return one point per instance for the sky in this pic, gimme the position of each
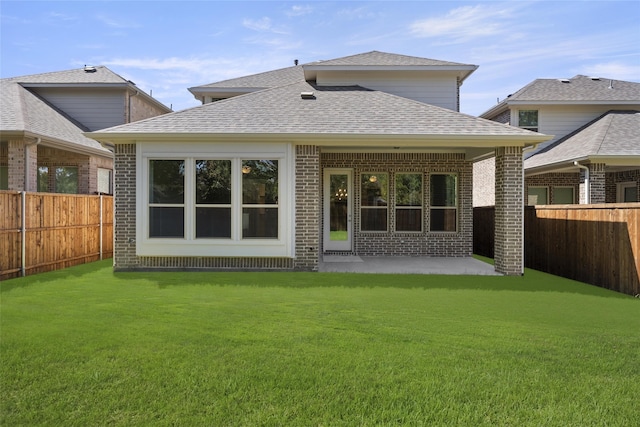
(165, 47)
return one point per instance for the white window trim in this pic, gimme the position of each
(531, 128)
(283, 246)
(621, 186)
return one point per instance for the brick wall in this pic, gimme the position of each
(87, 167)
(124, 248)
(509, 256)
(424, 243)
(308, 208)
(137, 108)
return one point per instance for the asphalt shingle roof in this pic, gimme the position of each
(578, 88)
(376, 58)
(334, 110)
(615, 133)
(23, 111)
(102, 75)
(280, 77)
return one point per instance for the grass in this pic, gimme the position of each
(85, 346)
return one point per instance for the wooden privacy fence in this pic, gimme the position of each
(596, 244)
(42, 232)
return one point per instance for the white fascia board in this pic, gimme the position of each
(49, 141)
(462, 71)
(357, 140)
(620, 160)
(606, 102)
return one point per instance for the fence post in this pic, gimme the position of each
(101, 227)
(23, 262)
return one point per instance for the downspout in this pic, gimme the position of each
(23, 261)
(26, 162)
(587, 185)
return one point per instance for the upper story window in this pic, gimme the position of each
(528, 119)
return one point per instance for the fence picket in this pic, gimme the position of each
(62, 230)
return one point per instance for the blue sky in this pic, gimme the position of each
(167, 46)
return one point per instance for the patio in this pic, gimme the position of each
(405, 265)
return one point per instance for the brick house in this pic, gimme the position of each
(43, 118)
(362, 155)
(594, 156)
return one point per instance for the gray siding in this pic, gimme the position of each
(94, 108)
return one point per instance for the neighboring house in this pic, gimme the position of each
(43, 118)
(594, 156)
(334, 158)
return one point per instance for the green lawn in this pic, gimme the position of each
(86, 347)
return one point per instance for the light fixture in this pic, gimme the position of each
(246, 169)
(373, 178)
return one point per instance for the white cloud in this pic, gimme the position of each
(357, 13)
(117, 23)
(263, 24)
(464, 23)
(298, 10)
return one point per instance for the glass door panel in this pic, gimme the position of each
(337, 224)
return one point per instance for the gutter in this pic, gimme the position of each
(587, 184)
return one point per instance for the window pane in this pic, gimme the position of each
(537, 196)
(630, 194)
(67, 180)
(444, 190)
(528, 118)
(166, 181)
(260, 223)
(260, 182)
(374, 189)
(166, 222)
(104, 181)
(213, 182)
(409, 189)
(408, 219)
(4, 177)
(43, 179)
(373, 220)
(213, 222)
(563, 195)
(443, 219)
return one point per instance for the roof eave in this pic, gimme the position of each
(53, 142)
(462, 71)
(331, 139)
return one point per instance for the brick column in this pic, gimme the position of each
(509, 211)
(307, 207)
(597, 183)
(124, 251)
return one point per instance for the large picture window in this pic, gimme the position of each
(213, 199)
(374, 196)
(223, 200)
(166, 198)
(444, 202)
(259, 199)
(408, 202)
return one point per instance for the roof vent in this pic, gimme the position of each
(307, 95)
(89, 69)
(564, 80)
(595, 79)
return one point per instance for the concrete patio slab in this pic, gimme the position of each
(405, 265)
